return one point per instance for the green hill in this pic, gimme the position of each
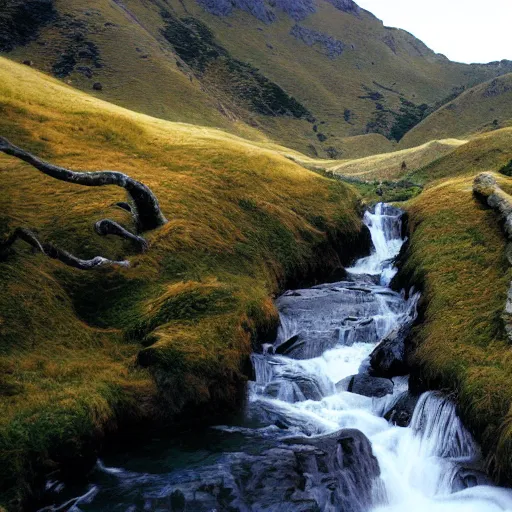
(308, 74)
(483, 108)
(83, 354)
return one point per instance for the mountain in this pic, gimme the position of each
(307, 73)
(485, 107)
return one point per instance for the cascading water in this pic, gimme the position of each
(321, 430)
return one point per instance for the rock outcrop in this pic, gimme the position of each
(267, 11)
(331, 46)
(366, 385)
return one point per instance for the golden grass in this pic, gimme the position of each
(389, 166)
(483, 108)
(243, 219)
(485, 152)
(457, 254)
(141, 72)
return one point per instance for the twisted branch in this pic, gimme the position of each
(59, 254)
(109, 227)
(149, 215)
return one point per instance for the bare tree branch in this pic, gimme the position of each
(109, 227)
(59, 254)
(148, 213)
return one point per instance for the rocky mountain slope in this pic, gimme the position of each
(307, 73)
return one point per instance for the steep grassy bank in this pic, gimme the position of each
(457, 255)
(83, 353)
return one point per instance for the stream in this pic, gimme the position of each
(329, 425)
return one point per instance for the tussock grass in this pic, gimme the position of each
(457, 254)
(140, 70)
(82, 353)
(486, 152)
(483, 108)
(390, 165)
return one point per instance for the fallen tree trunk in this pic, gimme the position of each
(147, 209)
(59, 254)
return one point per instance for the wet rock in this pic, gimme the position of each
(343, 309)
(309, 345)
(333, 472)
(388, 358)
(295, 389)
(344, 384)
(401, 412)
(367, 385)
(466, 478)
(177, 501)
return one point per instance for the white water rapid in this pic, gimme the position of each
(308, 444)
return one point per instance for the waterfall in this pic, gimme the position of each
(305, 442)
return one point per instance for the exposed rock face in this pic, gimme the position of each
(296, 9)
(332, 47)
(390, 42)
(496, 88)
(309, 345)
(346, 6)
(197, 47)
(267, 11)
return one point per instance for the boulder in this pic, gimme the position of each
(331, 472)
(344, 384)
(309, 345)
(97, 86)
(401, 412)
(293, 390)
(388, 358)
(367, 385)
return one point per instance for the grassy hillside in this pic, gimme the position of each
(487, 152)
(308, 78)
(483, 108)
(386, 166)
(85, 353)
(457, 255)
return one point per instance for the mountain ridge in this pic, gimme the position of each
(345, 73)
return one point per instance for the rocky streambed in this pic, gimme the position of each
(329, 425)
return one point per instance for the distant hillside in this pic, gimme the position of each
(388, 166)
(485, 107)
(307, 73)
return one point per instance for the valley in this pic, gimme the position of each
(297, 149)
